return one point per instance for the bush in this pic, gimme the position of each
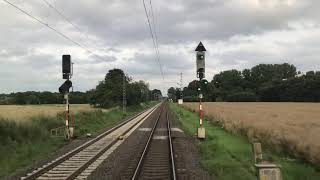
(242, 97)
(34, 130)
(191, 98)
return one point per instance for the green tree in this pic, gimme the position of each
(172, 94)
(156, 94)
(109, 92)
(264, 82)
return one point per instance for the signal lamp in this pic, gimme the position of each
(65, 87)
(66, 66)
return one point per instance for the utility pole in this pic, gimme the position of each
(181, 88)
(124, 98)
(180, 100)
(200, 58)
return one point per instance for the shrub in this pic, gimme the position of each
(242, 97)
(191, 98)
(34, 130)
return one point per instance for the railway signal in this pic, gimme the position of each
(66, 66)
(200, 60)
(64, 89)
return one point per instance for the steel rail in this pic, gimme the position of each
(142, 158)
(147, 146)
(94, 158)
(173, 168)
(66, 156)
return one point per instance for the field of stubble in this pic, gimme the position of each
(26, 112)
(291, 127)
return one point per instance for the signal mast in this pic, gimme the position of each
(64, 89)
(200, 60)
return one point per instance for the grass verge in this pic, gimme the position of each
(228, 156)
(22, 144)
(94, 122)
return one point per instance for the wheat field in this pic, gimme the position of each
(292, 127)
(26, 112)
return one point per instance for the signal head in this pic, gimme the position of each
(66, 66)
(65, 87)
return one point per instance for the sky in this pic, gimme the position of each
(111, 34)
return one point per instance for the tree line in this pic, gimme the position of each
(46, 97)
(264, 82)
(108, 93)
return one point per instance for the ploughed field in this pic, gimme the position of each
(26, 112)
(293, 128)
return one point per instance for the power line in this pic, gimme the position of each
(155, 31)
(61, 14)
(52, 28)
(154, 26)
(153, 39)
(65, 18)
(155, 35)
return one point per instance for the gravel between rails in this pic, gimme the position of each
(156, 163)
(122, 162)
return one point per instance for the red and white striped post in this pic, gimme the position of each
(67, 72)
(67, 112)
(200, 59)
(200, 111)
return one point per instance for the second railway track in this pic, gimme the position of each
(78, 163)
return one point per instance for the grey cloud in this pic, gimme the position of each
(102, 59)
(30, 53)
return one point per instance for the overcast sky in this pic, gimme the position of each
(236, 33)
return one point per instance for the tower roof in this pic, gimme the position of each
(200, 47)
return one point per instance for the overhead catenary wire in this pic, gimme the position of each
(63, 16)
(52, 28)
(80, 30)
(154, 27)
(152, 14)
(156, 36)
(153, 38)
(63, 35)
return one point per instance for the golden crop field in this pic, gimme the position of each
(25, 112)
(294, 126)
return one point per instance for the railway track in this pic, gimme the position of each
(79, 163)
(157, 158)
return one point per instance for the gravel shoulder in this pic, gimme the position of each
(187, 156)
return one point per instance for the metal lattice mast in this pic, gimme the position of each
(124, 98)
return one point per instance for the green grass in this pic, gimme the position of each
(22, 144)
(228, 156)
(94, 122)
